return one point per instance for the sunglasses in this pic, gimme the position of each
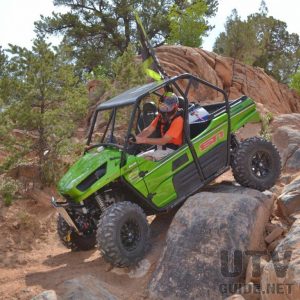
(164, 107)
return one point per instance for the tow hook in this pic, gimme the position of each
(60, 207)
(68, 236)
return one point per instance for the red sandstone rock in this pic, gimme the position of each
(233, 76)
(286, 137)
(273, 245)
(289, 200)
(281, 276)
(276, 233)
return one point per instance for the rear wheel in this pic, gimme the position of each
(123, 234)
(256, 164)
(71, 239)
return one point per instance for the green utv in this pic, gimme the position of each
(111, 189)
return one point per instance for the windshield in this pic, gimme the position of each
(111, 126)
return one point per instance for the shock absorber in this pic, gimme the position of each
(100, 201)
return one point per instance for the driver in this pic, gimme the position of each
(169, 124)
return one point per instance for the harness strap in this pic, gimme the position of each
(164, 126)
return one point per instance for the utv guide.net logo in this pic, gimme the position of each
(270, 289)
(233, 265)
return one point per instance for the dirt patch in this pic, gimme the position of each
(33, 260)
(24, 226)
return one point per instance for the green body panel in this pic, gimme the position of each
(86, 165)
(159, 177)
(131, 173)
(243, 113)
(157, 183)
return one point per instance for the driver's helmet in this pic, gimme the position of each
(168, 102)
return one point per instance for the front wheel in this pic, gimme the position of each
(123, 234)
(256, 164)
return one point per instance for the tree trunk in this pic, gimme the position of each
(127, 31)
(42, 141)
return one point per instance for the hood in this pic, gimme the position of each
(90, 172)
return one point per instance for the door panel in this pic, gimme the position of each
(158, 176)
(131, 173)
(176, 175)
(187, 179)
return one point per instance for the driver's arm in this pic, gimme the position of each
(174, 132)
(146, 131)
(150, 129)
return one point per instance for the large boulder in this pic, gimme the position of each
(85, 287)
(204, 233)
(231, 75)
(289, 200)
(46, 295)
(286, 137)
(281, 276)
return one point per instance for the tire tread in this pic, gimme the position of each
(106, 233)
(240, 170)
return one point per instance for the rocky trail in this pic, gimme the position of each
(30, 265)
(184, 260)
(184, 257)
(33, 260)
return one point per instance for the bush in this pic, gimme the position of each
(295, 81)
(8, 189)
(265, 125)
(29, 222)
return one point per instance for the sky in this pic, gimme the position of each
(284, 10)
(17, 18)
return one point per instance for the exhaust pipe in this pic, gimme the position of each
(60, 207)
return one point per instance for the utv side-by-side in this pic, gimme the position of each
(109, 191)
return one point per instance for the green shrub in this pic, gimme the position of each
(8, 189)
(265, 125)
(295, 81)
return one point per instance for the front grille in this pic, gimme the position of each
(92, 178)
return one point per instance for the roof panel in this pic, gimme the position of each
(130, 96)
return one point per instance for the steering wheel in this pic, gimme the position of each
(131, 139)
(134, 148)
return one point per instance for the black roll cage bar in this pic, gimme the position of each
(184, 94)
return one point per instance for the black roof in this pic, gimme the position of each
(130, 96)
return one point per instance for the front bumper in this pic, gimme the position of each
(60, 207)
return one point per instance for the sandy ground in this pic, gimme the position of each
(33, 260)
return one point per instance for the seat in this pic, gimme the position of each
(197, 128)
(199, 119)
(147, 115)
(180, 102)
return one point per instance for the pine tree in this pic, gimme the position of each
(238, 40)
(261, 41)
(188, 25)
(46, 101)
(100, 31)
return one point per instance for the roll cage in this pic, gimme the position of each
(135, 95)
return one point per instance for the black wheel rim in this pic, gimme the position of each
(130, 234)
(261, 164)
